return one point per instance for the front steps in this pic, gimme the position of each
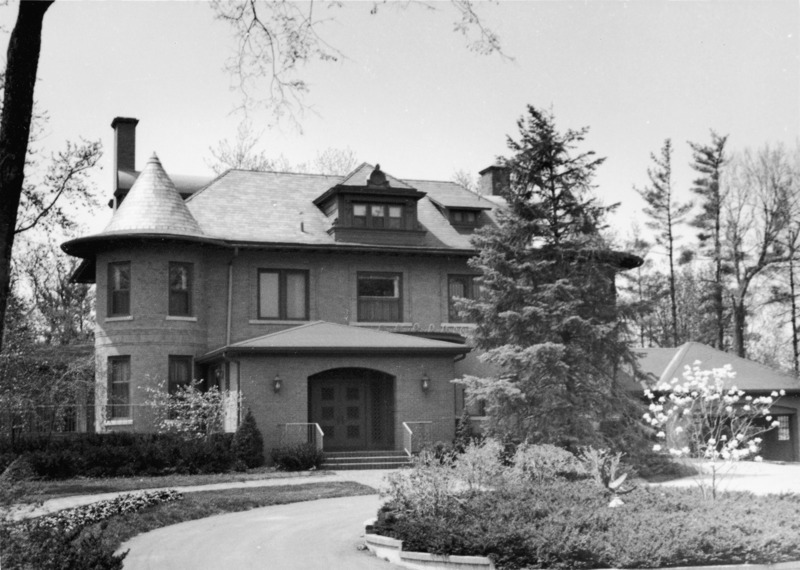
(348, 460)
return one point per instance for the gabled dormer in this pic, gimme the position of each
(369, 206)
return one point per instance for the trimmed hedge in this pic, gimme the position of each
(300, 457)
(120, 455)
(568, 524)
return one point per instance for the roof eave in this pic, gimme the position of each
(224, 352)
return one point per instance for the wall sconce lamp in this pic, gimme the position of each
(426, 382)
(276, 384)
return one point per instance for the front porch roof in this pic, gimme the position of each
(321, 337)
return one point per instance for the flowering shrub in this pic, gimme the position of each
(188, 411)
(79, 517)
(699, 418)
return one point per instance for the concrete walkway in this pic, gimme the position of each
(371, 478)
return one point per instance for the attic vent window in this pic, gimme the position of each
(378, 178)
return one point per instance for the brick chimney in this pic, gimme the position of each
(494, 180)
(124, 152)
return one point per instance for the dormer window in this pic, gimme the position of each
(464, 217)
(380, 216)
(369, 206)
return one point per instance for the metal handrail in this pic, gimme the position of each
(408, 436)
(314, 433)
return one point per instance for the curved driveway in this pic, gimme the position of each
(322, 534)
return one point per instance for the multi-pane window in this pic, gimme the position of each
(180, 372)
(380, 297)
(464, 217)
(180, 289)
(283, 294)
(119, 387)
(459, 286)
(119, 289)
(783, 428)
(380, 216)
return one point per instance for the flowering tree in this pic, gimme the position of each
(699, 418)
(189, 411)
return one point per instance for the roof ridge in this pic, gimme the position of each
(669, 370)
(209, 183)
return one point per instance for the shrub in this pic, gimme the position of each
(299, 457)
(248, 445)
(45, 548)
(117, 454)
(543, 462)
(561, 522)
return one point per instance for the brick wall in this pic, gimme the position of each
(290, 404)
(149, 337)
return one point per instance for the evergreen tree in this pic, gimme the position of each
(664, 213)
(708, 161)
(547, 316)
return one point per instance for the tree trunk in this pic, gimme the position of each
(22, 60)
(793, 300)
(739, 322)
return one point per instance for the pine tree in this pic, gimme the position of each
(547, 316)
(708, 161)
(665, 213)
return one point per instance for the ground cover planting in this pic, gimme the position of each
(528, 514)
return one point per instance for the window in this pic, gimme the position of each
(783, 428)
(463, 286)
(380, 216)
(180, 289)
(380, 297)
(119, 387)
(180, 372)
(119, 289)
(464, 217)
(283, 294)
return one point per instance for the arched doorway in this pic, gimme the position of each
(354, 407)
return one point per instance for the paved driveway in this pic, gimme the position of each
(759, 478)
(319, 534)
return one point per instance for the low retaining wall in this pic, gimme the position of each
(391, 550)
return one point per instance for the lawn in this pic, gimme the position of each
(43, 490)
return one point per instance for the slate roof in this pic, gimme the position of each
(185, 184)
(664, 364)
(324, 337)
(277, 207)
(153, 206)
(451, 195)
(360, 177)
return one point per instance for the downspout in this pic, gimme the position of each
(230, 297)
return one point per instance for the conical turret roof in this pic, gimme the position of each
(153, 206)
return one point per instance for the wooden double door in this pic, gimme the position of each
(354, 407)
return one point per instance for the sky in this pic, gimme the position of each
(409, 95)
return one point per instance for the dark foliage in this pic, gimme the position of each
(561, 524)
(119, 454)
(547, 317)
(248, 444)
(52, 548)
(300, 457)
